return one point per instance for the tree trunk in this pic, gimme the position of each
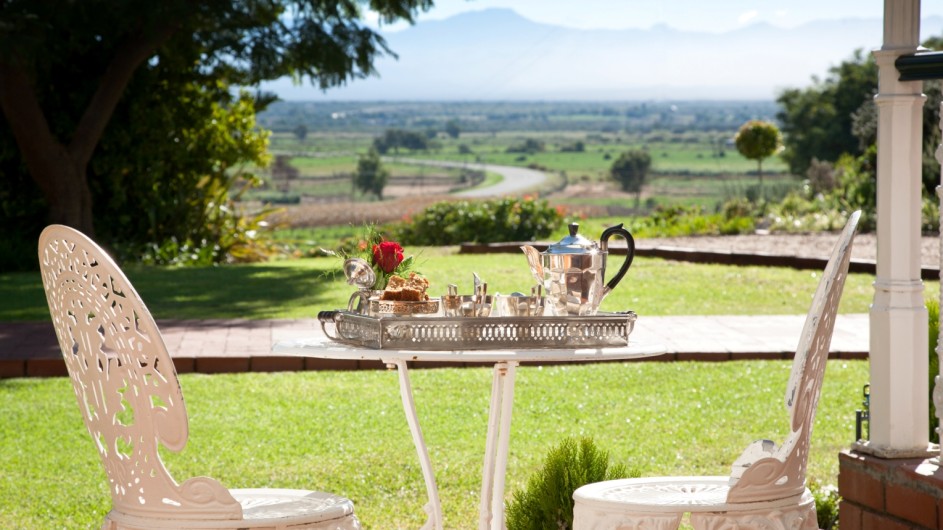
(60, 177)
(70, 202)
(59, 169)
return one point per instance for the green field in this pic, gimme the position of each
(687, 155)
(688, 169)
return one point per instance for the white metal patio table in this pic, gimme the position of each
(491, 509)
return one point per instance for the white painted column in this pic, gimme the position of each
(899, 333)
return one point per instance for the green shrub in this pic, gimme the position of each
(930, 215)
(678, 221)
(811, 210)
(826, 505)
(737, 207)
(508, 219)
(737, 225)
(547, 501)
(798, 214)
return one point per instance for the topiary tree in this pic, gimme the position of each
(547, 501)
(758, 140)
(630, 170)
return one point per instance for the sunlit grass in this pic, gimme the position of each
(300, 288)
(345, 432)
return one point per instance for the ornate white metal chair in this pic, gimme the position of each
(131, 401)
(766, 488)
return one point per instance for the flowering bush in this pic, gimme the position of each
(386, 258)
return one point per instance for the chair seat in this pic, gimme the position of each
(672, 495)
(264, 508)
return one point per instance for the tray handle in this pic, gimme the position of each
(329, 317)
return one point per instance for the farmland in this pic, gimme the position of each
(692, 165)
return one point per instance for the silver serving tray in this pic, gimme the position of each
(478, 333)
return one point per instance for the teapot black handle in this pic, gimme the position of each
(629, 254)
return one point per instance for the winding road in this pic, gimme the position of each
(515, 179)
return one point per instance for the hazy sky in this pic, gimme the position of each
(698, 79)
(691, 15)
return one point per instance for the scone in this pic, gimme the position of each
(401, 289)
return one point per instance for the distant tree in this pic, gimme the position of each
(397, 139)
(371, 176)
(630, 170)
(452, 129)
(301, 132)
(530, 146)
(864, 122)
(758, 140)
(576, 147)
(817, 121)
(283, 173)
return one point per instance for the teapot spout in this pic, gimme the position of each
(533, 259)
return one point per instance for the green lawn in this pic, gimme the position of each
(300, 288)
(345, 432)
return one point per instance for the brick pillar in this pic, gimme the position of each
(889, 494)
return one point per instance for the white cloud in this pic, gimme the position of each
(747, 16)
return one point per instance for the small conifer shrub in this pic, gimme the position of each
(547, 501)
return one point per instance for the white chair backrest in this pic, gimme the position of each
(124, 380)
(764, 472)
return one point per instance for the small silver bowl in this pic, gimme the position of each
(520, 306)
(467, 305)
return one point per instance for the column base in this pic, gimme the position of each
(866, 447)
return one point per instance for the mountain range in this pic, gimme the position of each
(496, 54)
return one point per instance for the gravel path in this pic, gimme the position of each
(802, 245)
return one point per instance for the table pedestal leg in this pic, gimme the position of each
(491, 510)
(434, 507)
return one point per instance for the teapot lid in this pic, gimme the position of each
(573, 243)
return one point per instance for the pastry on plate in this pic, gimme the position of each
(412, 289)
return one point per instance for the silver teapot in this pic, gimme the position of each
(573, 270)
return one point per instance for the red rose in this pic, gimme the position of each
(387, 255)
